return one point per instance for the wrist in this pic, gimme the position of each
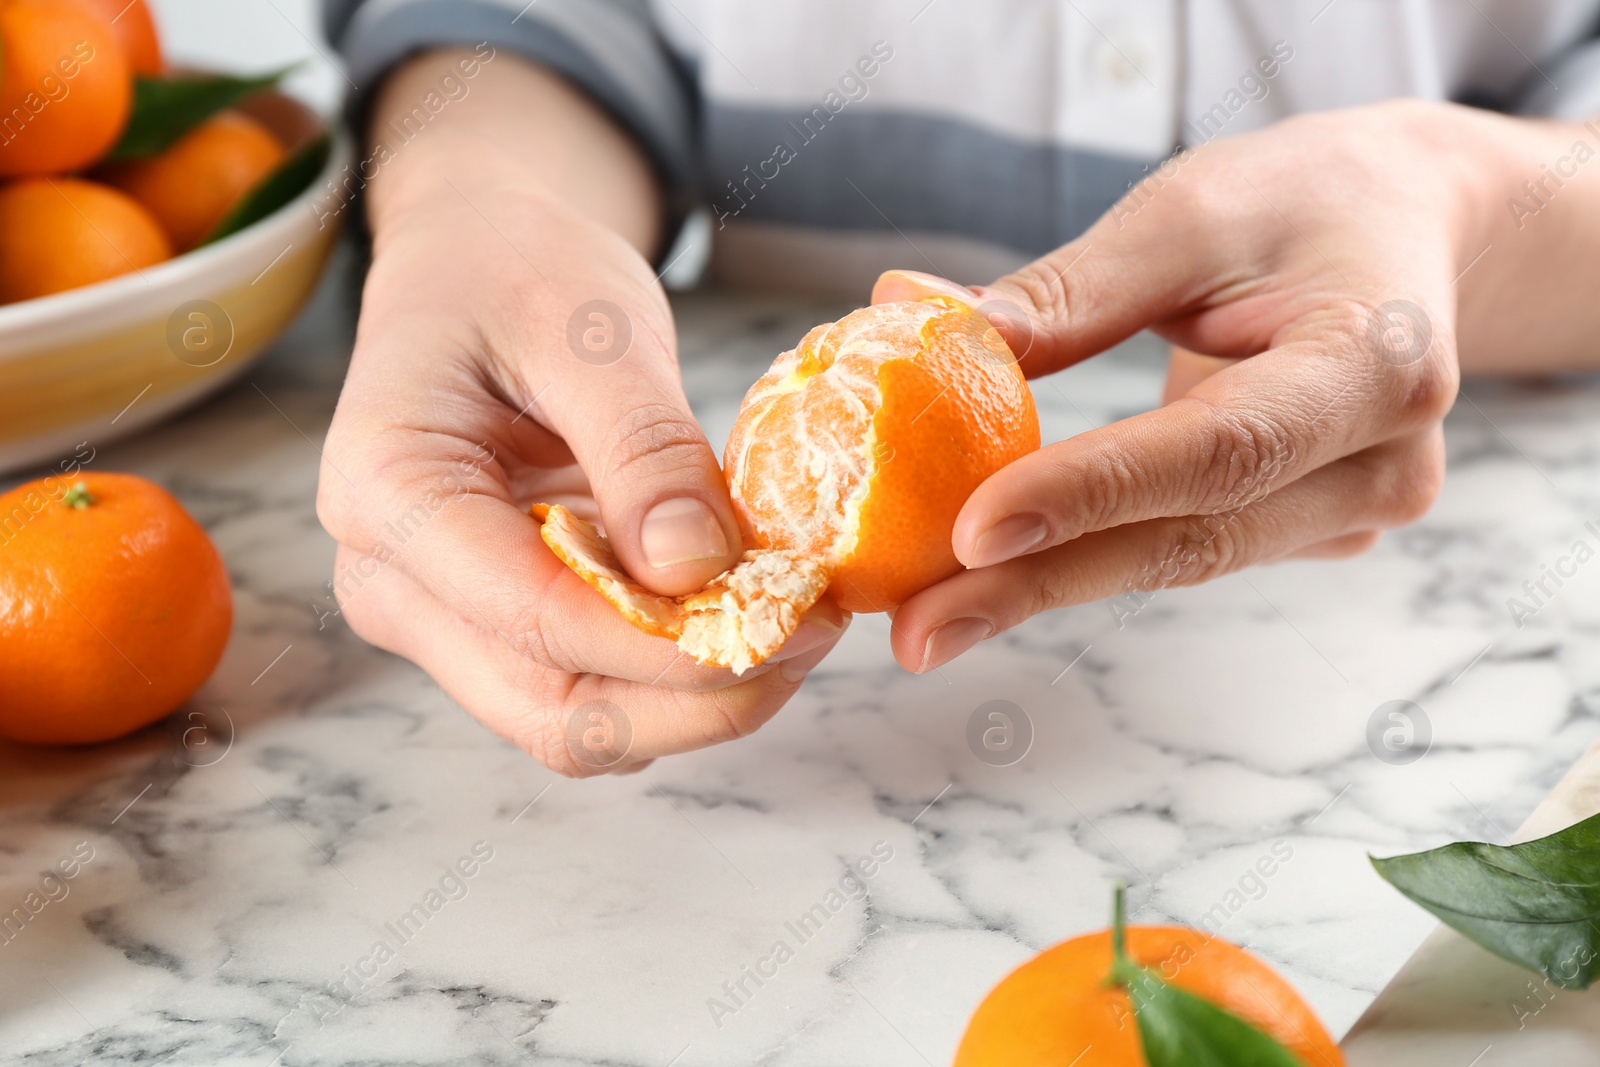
(1461, 169)
(448, 168)
(522, 130)
(1530, 205)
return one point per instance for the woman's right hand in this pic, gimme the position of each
(513, 347)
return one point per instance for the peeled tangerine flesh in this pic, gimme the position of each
(739, 619)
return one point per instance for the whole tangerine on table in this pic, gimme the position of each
(1070, 1004)
(847, 466)
(192, 185)
(61, 233)
(114, 608)
(65, 87)
(135, 29)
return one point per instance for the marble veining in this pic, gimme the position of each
(320, 799)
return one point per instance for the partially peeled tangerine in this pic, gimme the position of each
(847, 466)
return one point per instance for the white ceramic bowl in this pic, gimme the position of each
(103, 361)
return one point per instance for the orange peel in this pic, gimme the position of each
(739, 619)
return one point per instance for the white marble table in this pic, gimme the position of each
(249, 857)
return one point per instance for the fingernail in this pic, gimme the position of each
(914, 285)
(811, 633)
(795, 670)
(681, 530)
(952, 639)
(1008, 539)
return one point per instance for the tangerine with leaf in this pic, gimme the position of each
(1145, 996)
(193, 185)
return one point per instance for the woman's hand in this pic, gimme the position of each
(514, 346)
(1310, 275)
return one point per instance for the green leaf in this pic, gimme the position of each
(276, 189)
(1536, 904)
(1178, 1029)
(166, 108)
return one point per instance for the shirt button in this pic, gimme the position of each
(1122, 62)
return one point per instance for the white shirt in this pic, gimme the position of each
(832, 139)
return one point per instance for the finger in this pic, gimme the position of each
(1103, 287)
(1339, 547)
(586, 358)
(484, 560)
(1238, 434)
(1386, 486)
(432, 503)
(1186, 369)
(1212, 242)
(620, 407)
(577, 725)
(822, 625)
(469, 547)
(633, 766)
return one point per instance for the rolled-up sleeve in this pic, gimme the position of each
(1568, 88)
(608, 48)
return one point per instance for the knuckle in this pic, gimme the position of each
(537, 723)
(337, 509)
(1107, 490)
(734, 718)
(657, 436)
(738, 710)
(1431, 392)
(365, 619)
(1200, 550)
(694, 678)
(541, 724)
(1245, 451)
(545, 739)
(1047, 289)
(351, 489)
(1417, 479)
(1219, 547)
(532, 637)
(1041, 594)
(1353, 544)
(1190, 201)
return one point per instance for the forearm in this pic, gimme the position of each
(518, 122)
(1531, 303)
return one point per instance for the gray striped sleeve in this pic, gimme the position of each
(336, 16)
(608, 48)
(1569, 89)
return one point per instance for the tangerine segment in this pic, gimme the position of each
(859, 447)
(739, 619)
(1058, 1008)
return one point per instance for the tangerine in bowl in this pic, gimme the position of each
(158, 227)
(102, 360)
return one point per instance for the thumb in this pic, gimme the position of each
(1085, 296)
(660, 492)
